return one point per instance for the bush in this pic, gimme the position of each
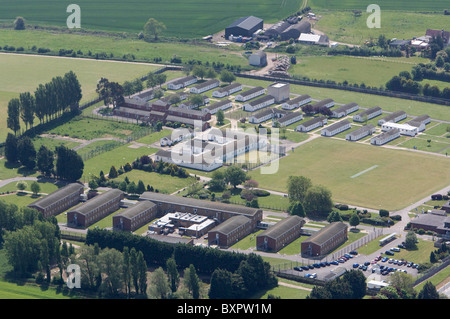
(384, 213)
(260, 192)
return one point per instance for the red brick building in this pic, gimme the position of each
(281, 234)
(325, 240)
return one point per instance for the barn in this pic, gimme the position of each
(244, 26)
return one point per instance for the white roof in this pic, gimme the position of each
(309, 37)
(400, 126)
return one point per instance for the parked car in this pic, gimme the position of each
(307, 275)
(384, 259)
(390, 253)
(298, 268)
(396, 249)
(409, 264)
(305, 267)
(353, 252)
(401, 246)
(367, 263)
(355, 265)
(314, 275)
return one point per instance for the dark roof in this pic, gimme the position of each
(288, 117)
(217, 105)
(282, 227)
(421, 118)
(337, 125)
(261, 100)
(192, 202)
(183, 80)
(365, 128)
(326, 233)
(246, 22)
(313, 121)
(135, 209)
(132, 111)
(323, 102)
(185, 111)
(97, 201)
(346, 107)
(298, 99)
(206, 83)
(387, 133)
(57, 195)
(251, 91)
(231, 224)
(393, 115)
(369, 111)
(229, 87)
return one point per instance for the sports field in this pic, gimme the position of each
(382, 178)
(23, 73)
(183, 18)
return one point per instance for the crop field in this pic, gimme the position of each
(400, 5)
(22, 73)
(192, 18)
(398, 178)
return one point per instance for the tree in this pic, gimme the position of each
(140, 187)
(110, 92)
(199, 71)
(196, 100)
(69, 165)
(113, 172)
(111, 264)
(296, 208)
(13, 120)
(354, 220)
(220, 117)
(411, 240)
(73, 90)
(27, 106)
(35, 188)
(298, 187)
(428, 292)
(227, 76)
(172, 274)
(131, 188)
(19, 23)
(26, 152)
(221, 285)
(357, 282)
(45, 160)
(318, 201)
(153, 28)
(211, 74)
(235, 176)
(11, 151)
(192, 282)
(21, 185)
(159, 284)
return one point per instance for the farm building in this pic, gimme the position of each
(367, 114)
(227, 90)
(230, 231)
(360, 133)
(258, 59)
(345, 110)
(393, 117)
(296, 102)
(399, 44)
(214, 210)
(306, 38)
(280, 91)
(205, 86)
(135, 216)
(404, 129)
(182, 83)
(250, 94)
(95, 209)
(282, 233)
(385, 137)
(285, 31)
(244, 26)
(288, 119)
(258, 104)
(221, 105)
(327, 103)
(325, 240)
(336, 128)
(59, 201)
(445, 35)
(312, 124)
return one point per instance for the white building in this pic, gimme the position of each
(393, 117)
(312, 124)
(205, 86)
(404, 129)
(221, 105)
(367, 114)
(360, 133)
(258, 104)
(280, 91)
(385, 137)
(336, 128)
(250, 94)
(288, 119)
(327, 103)
(345, 110)
(420, 122)
(182, 83)
(227, 90)
(296, 102)
(258, 59)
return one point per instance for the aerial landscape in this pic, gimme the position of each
(255, 151)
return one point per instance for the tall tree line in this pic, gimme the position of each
(50, 100)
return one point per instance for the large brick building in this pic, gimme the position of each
(135, 216)
(325, 240)
(59, 201)
(281, 234)
(230, 231)
(95, 209)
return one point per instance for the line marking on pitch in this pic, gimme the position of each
(365, 171)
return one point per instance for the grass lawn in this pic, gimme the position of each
(19, 199)
(46, 188)
(154, 137)
(284, 293)
(422, 144)
(119, 156)
(14, 291)
(332, 163)
(438, 130)
(51, 143)
(8, 170)
(183, 18)
(25, 73)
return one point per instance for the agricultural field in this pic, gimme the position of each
(25, 73)
(192, 18)
(332, 163)
(400, 5)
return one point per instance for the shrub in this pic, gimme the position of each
(384, 213)
(260, 192)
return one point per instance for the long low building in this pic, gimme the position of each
(182, 83)
(404, 129)
(345, 110)
(135, 216)
(385, 137)
(230, 231)
(325, 240)
(205, 86)
(282, 233)
(360, 133)
(227, 90)
(336, 128)
(325, 103)
(288, 119)
(258, 104)
(393, 117)
(215, 107)
(250, 94)
(312, 124)
(368, 114)
(296, 102)
(95, 209)
(59, 201)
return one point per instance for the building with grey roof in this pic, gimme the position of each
(95, 209)
(360, 133)
(227, 90)
(393, 117)
(367, 114)
(312, 124)
(336, 128)
(244, 26)
(259, 103)
(59, 201)
(250, 94)
(345, 110)
(325, 240)
(205, 86)
(296, 102)
(230, 231)
(135, 216)
(326, 102)
(288, 119)
(281, 234)
(385, 137)
(215, 107)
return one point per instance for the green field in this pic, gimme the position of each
(183, 18)
(400, 179)
(400, 5)
(24, 73)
